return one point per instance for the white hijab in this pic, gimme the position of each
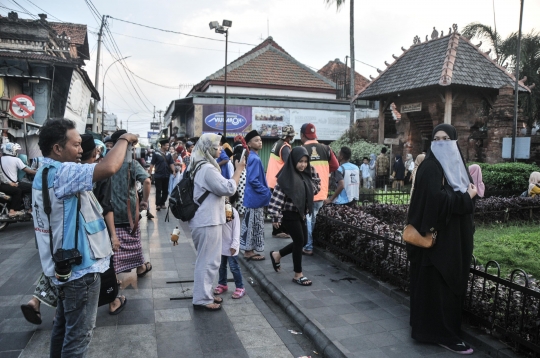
(447, 153)
(204, 151)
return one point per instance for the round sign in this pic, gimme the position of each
(22, 106)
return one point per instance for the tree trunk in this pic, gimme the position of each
(352, 61)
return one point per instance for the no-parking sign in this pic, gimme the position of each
(22, 106)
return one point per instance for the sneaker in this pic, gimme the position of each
(459, 348)
(149, 215)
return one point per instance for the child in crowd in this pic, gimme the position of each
(229, 253)
(366, 174)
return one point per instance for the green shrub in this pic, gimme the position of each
(507, 176)
(360, 148)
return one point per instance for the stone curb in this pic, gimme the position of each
(479, 339)
(321, 341)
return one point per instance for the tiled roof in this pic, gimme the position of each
(269, 65)
(77, 32)
(35, 56)
(450, 59)
(336, 68)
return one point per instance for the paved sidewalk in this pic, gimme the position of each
(151, 325)
(358, 318)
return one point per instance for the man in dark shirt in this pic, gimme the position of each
(164, 165)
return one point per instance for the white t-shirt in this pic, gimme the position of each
(9, 168)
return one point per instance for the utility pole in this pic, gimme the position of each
(353, 72)
(160, 123)
(96, 82)
(516, 87)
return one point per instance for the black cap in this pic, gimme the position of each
(163, 141)
(87, 143)
(251, 135)
(117, 134)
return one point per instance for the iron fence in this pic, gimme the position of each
(508, 309)
(379, 196)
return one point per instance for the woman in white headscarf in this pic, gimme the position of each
(442, 202)
(206, 225)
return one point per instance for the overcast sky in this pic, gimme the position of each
(309, 30)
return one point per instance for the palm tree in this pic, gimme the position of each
(339, 3)
(505, 51)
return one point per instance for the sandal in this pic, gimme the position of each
(17, 213)
(218, 300)
(302, 281)
(275, 265)
(239, 293)
(31, 314)
(220, 289)
(121, 307)
(255, 257)
(148, 268)
(206, 307)
(307, 253)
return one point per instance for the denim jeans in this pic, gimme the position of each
(235, 270)
(310, 222)
(75, 317)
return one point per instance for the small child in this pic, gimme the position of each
(229, 253)
(366, 174)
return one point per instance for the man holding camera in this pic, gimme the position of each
(72, 238)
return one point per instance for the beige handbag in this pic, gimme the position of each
(413, 237)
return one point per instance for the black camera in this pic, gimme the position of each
(63, 260)
(134, 153)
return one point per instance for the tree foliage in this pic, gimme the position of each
(360, 148)
(507, 176)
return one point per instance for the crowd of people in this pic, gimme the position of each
(87, 197)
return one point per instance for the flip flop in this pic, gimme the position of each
(255, 257)
(30, 314)
(275, 265)
(142, 274)
(121, 308)
(218, 299)
(302, 281)
(206, 308)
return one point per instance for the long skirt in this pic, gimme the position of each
(207, 242)
(130, 254)
(46, 291)
(241, 188)
(252, 232)
(435, 309)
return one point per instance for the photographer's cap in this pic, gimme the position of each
(163, 141)
(87, 143)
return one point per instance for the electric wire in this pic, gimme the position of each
(178, 32)
(48, 13)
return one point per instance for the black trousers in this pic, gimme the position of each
(382, 180)
(295, 226)
(16, 193)
(162, 190)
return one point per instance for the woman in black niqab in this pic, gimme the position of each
(292, 200)
(442, 201)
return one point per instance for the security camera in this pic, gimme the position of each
(213, 25)
(227, 23)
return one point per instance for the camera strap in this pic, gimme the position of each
(133, 225)
(48, 209)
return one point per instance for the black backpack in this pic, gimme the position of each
(181, 202)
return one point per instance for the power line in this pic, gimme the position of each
(48, 13)
(178, 32)
(367, 64)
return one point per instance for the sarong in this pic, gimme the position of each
(46, 291)
(252, 233)
(241, 188)
(129, 255)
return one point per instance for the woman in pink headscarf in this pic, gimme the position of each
(476, 174)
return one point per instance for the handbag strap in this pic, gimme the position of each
(48, 209)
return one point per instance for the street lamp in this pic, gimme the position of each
(127, 121)
(103, 100)
(223, 29)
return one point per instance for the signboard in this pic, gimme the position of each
(154, 125)
(268, 121)
(153, 135)
(521, 151)
(22, 106)
(411, 107)
(330, 125)
(109, 122)
(239, 119)
(394, 141)
(78, 101)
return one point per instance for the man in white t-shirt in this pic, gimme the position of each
(9, 184)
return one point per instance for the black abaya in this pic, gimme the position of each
(439, 275)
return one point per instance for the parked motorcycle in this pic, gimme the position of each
(5, 220)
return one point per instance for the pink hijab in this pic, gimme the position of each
(476, 174)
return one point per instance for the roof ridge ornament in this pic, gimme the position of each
(454, 26)
(403, 49)
(394, 56)
(416, 40)
(480, 44)
(442, 33)
(488, 52)
(434, 34)
(378, 70)
(386, 63)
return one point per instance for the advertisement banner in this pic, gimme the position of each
(238, 119)
(330, 125)
(268, 121)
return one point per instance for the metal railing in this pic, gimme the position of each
(507, 309)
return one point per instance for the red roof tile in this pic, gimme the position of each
(336, 69)
(269, 64)
(77, 32)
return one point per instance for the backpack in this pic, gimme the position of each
(181, 201)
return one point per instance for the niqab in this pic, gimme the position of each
(204, 151)
(295, 184)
